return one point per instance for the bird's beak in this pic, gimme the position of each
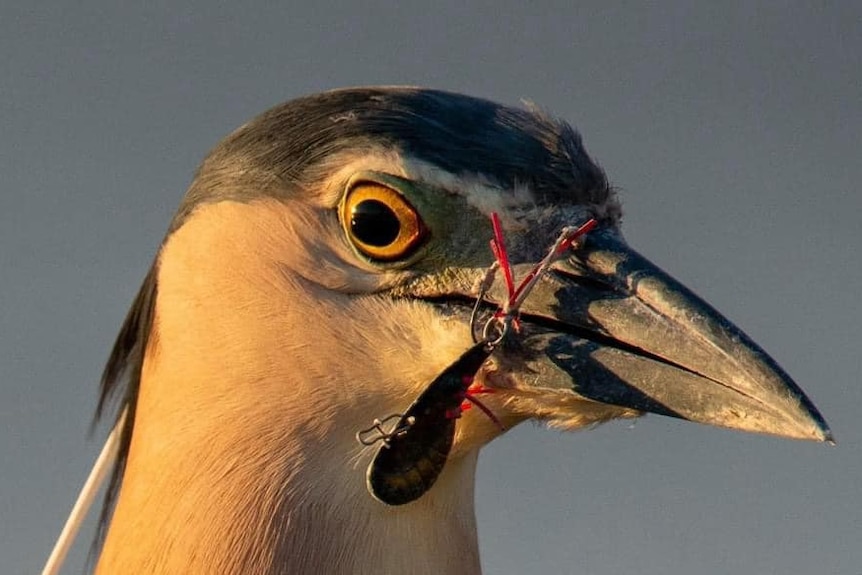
(611, 327)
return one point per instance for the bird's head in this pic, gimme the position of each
(321, 273)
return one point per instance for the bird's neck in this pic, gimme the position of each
(217, 484)
(208, 513)
(243, 457)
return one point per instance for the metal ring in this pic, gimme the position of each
(500, 325)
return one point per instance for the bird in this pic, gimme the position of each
(334, 263)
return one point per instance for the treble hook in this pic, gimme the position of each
(506, 316)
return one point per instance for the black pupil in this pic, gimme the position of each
(374, 223)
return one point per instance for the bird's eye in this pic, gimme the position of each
(380, 222)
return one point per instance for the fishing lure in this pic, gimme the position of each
(414, 452)
(410, 460)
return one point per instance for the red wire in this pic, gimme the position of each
(586, 227)
(499, 249)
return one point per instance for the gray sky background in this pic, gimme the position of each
(732, 131)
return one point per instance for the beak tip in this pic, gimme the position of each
(817, 430)
(802, 421)
(821, 431)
